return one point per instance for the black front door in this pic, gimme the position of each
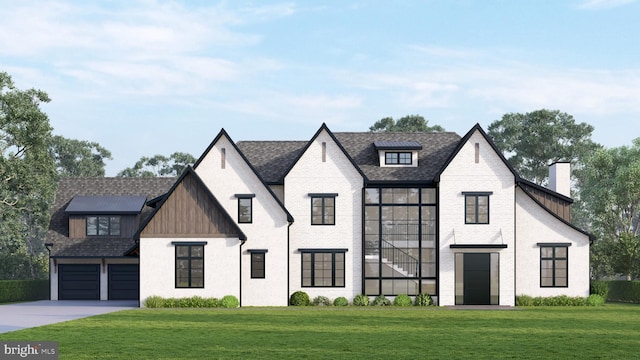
(477, 279)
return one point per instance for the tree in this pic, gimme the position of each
(534, 140)
(27, 181)
(159, 165)
(611, 190)
(78, 157)
(409, 123)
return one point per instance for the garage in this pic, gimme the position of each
(79, 282)
(123, 281)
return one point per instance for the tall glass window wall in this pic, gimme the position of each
(400, 241)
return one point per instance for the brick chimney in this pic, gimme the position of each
(560, 178)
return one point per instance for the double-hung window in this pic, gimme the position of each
(189, 265)
(103, 225)
(476, 207)
(554, 261)
(323, 209)
(245, 208)
(323, 268)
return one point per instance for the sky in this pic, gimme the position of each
(154, 77)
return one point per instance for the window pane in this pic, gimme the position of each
(103, 225)
(371, 196)
(115, 225)
(428, 196)
(197, 251)
(244, 210)
(561, 252)
(182, 251)
(387, 196)
(197, 264)
(371, 287)
(92, 225)
(546, 252)
(405, 158)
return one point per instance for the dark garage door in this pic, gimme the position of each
(123, 281)
(79, 282)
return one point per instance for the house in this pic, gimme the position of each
(338, 215)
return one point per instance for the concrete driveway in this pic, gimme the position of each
(37, 313)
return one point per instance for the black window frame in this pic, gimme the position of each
(244, 198)
(336, 280)
(257, 271)
(110, 221)
(395, 157)
(476, 214)
(324, 219)
(191, 259)
(554, 259)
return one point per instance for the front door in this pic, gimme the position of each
(477, 279)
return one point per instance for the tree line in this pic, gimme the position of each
(605, 181)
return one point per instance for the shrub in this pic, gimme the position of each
(154, 301)
(402, 300)
(624, 291)
(423, 300)
(381, 300)
(524, 300)
(321, 301)
(600, 288)
(361, 300)
(23, 290)
(229, 302)
(170, 302)
(299, 298)
(595, 300)
(340, 301)
(211, 302)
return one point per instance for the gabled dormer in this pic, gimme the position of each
(397, 153)
(104, 216)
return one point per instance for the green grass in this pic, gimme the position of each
(609, 332)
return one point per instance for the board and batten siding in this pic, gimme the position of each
(485, 172)
(558, 206)
(335, 175)
(188, 212)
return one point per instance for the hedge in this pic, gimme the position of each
(23, 290)
(624, 291)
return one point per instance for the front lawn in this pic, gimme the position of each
(611, 331)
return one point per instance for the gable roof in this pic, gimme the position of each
(464, 140)
(68, 188)
(244, 158)
(272, 159)
(190, 174)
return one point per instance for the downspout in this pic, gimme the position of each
(240, 261)
(288, 261)
(48, 246)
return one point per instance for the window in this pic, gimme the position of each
(190, 265)
(323, 268)
(103, 225)
(397, 158)
(245, 208)
(476, 208)
(257, 264)
(554, 265)
(323, 209)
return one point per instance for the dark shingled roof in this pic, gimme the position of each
(436, 149)
(271, 159)
(68, 188)
(400, 145)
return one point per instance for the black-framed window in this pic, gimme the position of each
(397, 158)
(103, 225)
(323, 268)
(190, 265)
(245, 208)
(476, 208)
(323, 209)
(554, 266)
(258, 261)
